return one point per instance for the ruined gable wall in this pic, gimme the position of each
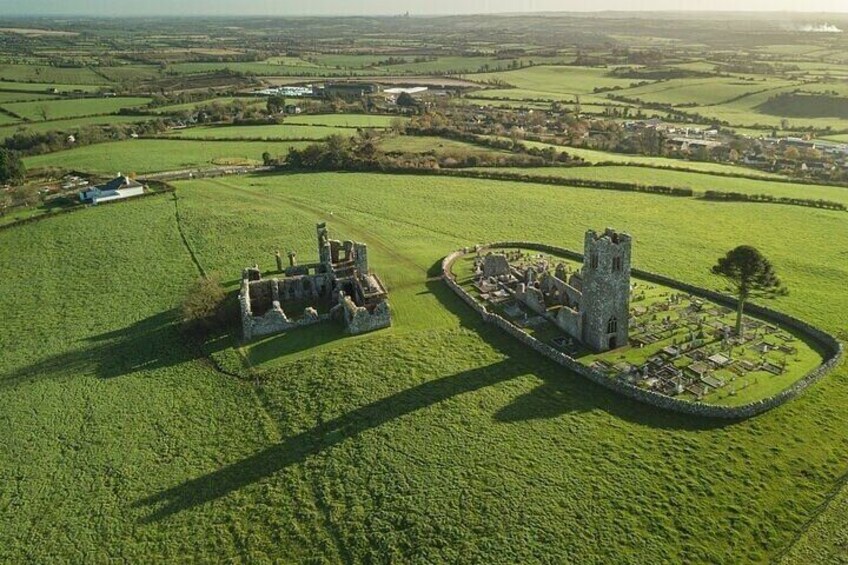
(359, 320)
(531, 297)
(570, 322)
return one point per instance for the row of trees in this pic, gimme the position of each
(29, 142)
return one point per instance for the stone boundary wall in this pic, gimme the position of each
(831, 347)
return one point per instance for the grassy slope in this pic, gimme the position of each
(101, 403)
(426, 442)
(149, 155)
(737, 510)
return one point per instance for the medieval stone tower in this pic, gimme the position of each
(605, 277)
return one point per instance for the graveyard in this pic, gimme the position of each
(679, 344)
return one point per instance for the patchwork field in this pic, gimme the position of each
(595, 156)
(190, 106)
(438, 440)
(48, 74)
(60, 109)
(555, 80)
(68, 125)
(154, 155)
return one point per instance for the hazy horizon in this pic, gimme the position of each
(394, 7)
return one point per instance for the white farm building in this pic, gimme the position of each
(116, 189)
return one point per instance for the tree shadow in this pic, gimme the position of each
(560, 392)
(548, 400)
(297, 448)
(152, 343)
(294, 341)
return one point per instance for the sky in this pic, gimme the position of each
(387, 7)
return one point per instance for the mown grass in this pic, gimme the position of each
(154, 155)
(60, 109)
(439, 440)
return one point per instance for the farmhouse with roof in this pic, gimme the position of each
(120, 187)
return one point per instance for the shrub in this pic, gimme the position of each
(204, 307)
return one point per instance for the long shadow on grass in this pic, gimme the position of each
(149, 344)
(561, 389)
(559, 393)
(297, 448)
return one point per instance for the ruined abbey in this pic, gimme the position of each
(339, 286)
(591, 305)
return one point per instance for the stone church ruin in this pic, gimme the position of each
(591, 305)
(338, 287)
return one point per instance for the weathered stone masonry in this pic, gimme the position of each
(832, 348)
(339, 286)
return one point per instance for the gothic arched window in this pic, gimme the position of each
(612, 325)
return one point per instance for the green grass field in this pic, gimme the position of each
(555, 80)
(346, 120)
(60, 109)
(49, 75)
(189, 106)
(702, 91)
(699, 182)
(284, 131)
(428, 144)
(69, 125)
(45, 88)
(437, 440)
(153, 155)
(6, 96)
(596, 156)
